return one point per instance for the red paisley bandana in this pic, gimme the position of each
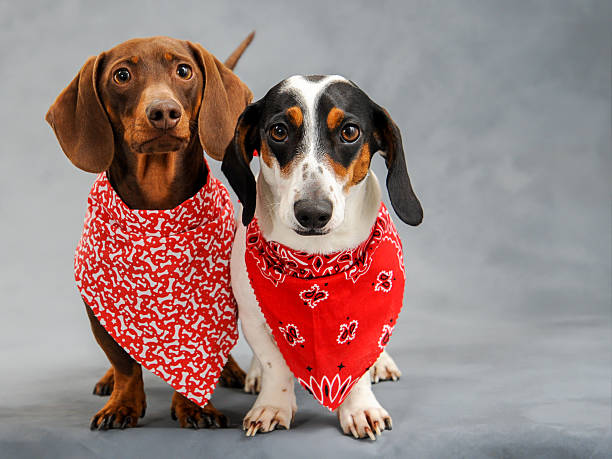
(331, 315)
(158, 281)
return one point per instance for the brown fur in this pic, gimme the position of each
(268, 158)
(266, 154)
(232, 60)
(334, 118)
(189, 414)
(295, 116)
(241, 133)
(356, 171)
(102, 126)
(127, 402)
(106, 383)
(231, 376)
(85, 129)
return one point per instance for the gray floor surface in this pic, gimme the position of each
(505, 338)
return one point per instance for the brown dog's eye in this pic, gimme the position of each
(184, 71)
(350, 133)
(122, 76)
(278, 132)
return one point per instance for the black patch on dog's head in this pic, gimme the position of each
(342, 107)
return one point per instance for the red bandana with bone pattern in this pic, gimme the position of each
(331, 315)
(158, 281)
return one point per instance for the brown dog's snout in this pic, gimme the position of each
(163, 114)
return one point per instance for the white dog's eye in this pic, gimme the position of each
(278, 132)
(350, 133)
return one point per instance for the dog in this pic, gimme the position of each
(315, 195)
(142, 112)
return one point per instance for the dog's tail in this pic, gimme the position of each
(231, 61)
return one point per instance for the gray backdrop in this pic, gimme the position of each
(504, 107)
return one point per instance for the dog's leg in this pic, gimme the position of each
(275, 404)
(232, 375)
(191, 415)
(252, 385)
(127, 402)
(360, 414)
(384, 369)
(105, 385)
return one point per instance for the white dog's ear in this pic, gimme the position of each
(237, 159)
(404, 201)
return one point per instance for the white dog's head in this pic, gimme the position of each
(316, 136)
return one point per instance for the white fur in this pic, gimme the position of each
(384, 369)
(275, 403)
(308, 171)
(354, 214)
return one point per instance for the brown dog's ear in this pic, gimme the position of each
(403, 199)
(80, 122)
(237, 159)
(225, 97)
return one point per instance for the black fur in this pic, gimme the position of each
(403, 199)
(235, 165)
(376, 127)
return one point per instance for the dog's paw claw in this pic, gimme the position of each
(232, 375)
(117, 415)
(384, 369)
(266, 419)
(252, 383)
(106, 384)
(364, 422)
(190, 415)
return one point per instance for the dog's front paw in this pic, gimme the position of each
(106, 383)
(252, 384)
(190, 415)
(364, 421)
(232, 375)
(384, 369)
(119, 412)
(265, 418)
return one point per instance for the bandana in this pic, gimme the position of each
(158, 282)
(331, 315)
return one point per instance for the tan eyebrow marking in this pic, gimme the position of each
(168, 56)
(334, 118)
(134, 59)
(295, 116)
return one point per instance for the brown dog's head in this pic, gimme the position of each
(147, 96)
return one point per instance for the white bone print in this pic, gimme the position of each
(158, 281)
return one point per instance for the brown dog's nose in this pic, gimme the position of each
(163, 114)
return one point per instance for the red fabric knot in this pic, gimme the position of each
(331, 315)
(158, 281)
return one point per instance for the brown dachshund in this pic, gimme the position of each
(142, 111)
